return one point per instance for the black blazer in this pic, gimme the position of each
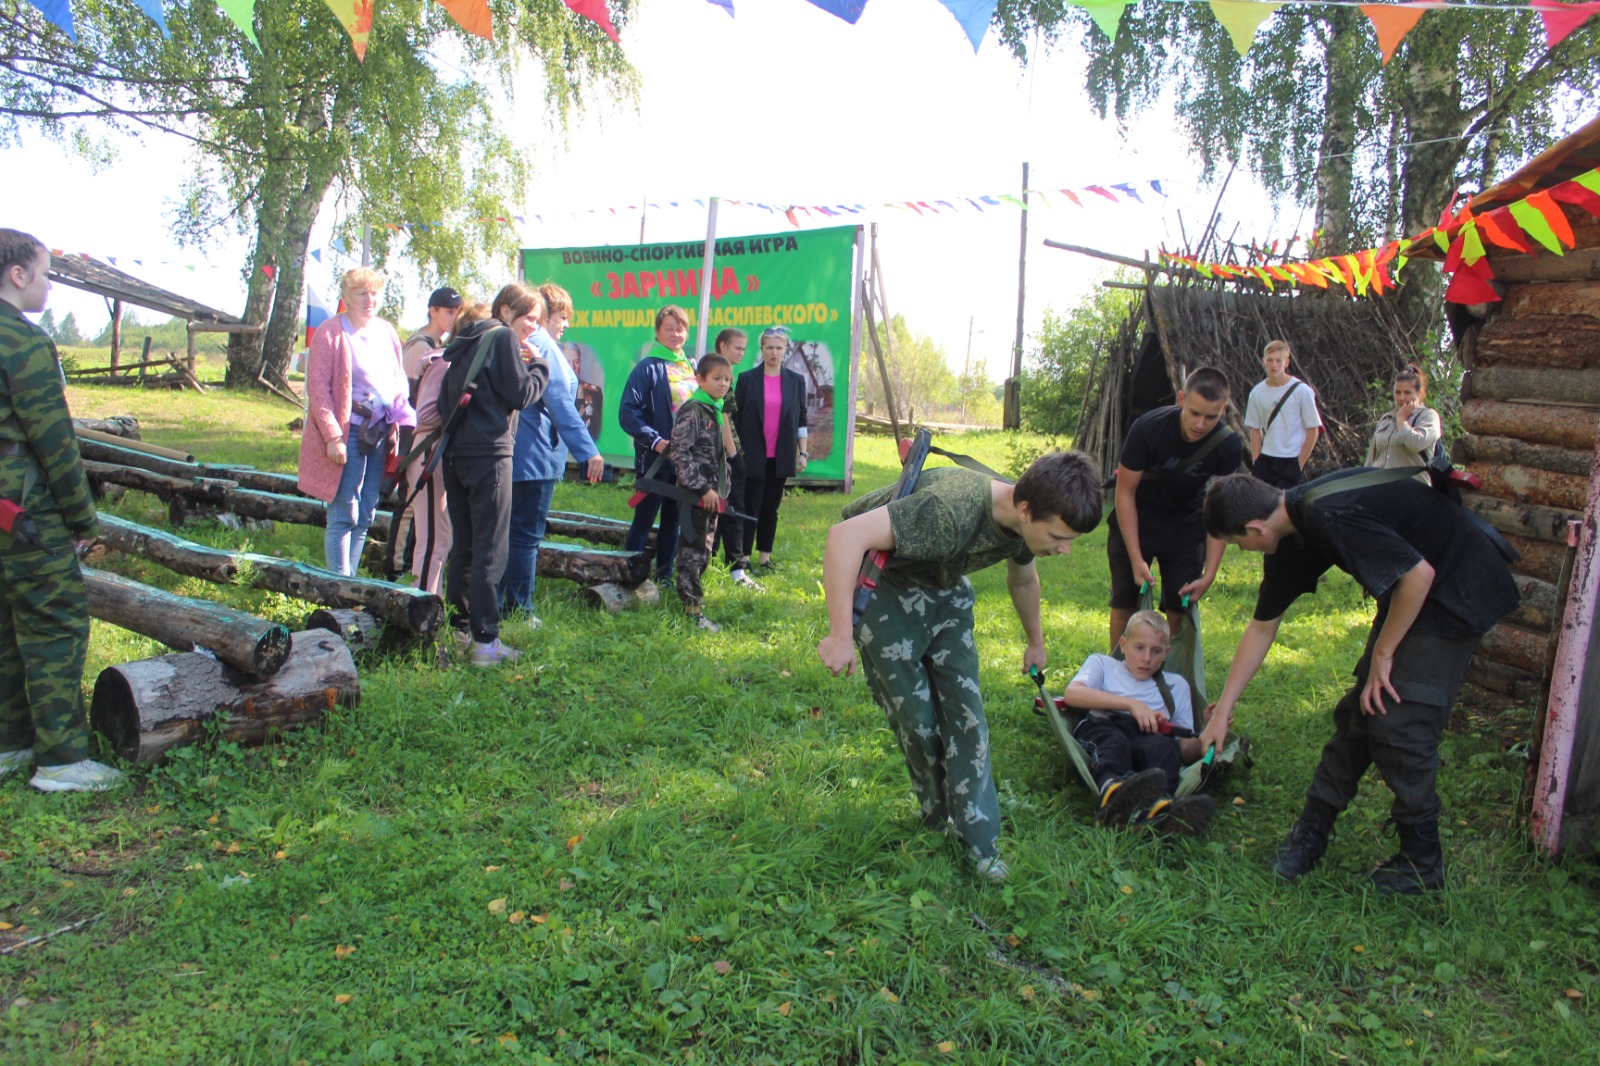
(750, 423)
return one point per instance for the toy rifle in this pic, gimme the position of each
(649, 486)
(874, 562)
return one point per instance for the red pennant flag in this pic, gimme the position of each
(1561, 19)
(1452, 258)
(789, 214)
(270, 271)
(595, 11)
(1069, 194)
(1393, 22)
(1102, 192)
(1472, 285)
(1570, 192)
(1502, 229)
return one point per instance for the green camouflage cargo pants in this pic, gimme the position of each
(921, 665)
(44, 637)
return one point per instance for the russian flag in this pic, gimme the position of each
(316, 313)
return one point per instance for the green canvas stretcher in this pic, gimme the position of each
(1186, 660)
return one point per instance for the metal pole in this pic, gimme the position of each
(705, 278)
(644, 209)
(1013, 406)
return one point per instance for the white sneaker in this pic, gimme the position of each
(993, 870)
(493, 653)
(15, 760)
(744, 580)
(84, 776)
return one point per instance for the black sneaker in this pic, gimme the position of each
(1128, 795)
(1190, 816)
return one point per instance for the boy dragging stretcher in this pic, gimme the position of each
(915, 635)
(1139, 732)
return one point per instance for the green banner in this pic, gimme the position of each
(802, 280)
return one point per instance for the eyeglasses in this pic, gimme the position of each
(775, 331)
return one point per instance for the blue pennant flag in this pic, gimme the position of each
(153, 9)
(974, 16)
(59, 12)
(1130, 190)
(849, 10)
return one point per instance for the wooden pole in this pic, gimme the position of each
(116, 334)
(1012, 413)
(248, 644)
(706, 266)
(149, 707)
(401, 605)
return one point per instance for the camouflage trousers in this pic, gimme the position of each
(921, 666)
(44, 637)
(699, 532)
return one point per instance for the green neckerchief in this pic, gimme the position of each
(705, 397)
(661, 351)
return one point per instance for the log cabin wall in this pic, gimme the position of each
(1531, 409)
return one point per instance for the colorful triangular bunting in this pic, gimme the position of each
(1241, 18)
(1107, 14)
(595, 11)
(973, 15)
(1393, 22)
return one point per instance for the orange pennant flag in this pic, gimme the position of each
(472, 16)
(1393, 22)
(356, 18)
(1546, 205)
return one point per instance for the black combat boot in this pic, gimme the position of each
(1303, 847)
(1419, 865)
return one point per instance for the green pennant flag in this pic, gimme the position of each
(1442, 239)
(242, 14)
(1590, 181)
(1105, 13)
(1471, 244)
(1013, 201)
(1535, 225)
(1241, 18)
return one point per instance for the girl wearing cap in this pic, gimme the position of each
(772, 435)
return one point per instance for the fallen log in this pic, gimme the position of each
(1537, 385)
(594, 529)
(136, 445)
(124, 426)
(249, 644)
(149, 707)
(299, 510)
(1523, 519)
(400, 605)
(205, 490)
(593, 566)
(614, 599)
(1513, 481)
(245, 476)
(1564, 427)
(358, 629)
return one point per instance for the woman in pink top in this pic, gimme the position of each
(353, 377)
(772, 436)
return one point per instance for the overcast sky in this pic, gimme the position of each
(782, 104)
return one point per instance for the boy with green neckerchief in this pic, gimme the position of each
(702, 460)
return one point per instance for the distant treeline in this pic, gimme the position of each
(167, 335)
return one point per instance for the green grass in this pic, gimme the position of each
(641, 845)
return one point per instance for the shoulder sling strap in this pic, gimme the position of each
(1370, 478)
(1222, 433)
(1273, 417)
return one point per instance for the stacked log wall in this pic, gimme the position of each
(1531, 409)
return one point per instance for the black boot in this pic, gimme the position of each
(1419, 865)
(1303, 847)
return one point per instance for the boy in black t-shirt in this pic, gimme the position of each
(1439, 575)
(1166, 460)
(915, 636)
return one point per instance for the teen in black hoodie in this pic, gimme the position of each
(477, 461)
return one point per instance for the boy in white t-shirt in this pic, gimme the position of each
(1282, 418)
(1139, 732)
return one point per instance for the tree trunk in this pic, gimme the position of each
(285, 328)
(1335, 224)
(358, 629)
(244, 349)
(243, 641)
(401, 605)
(1431, 90)
(146, 708)
(593, 566)
(125, 426)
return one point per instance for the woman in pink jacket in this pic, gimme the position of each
(354, 379)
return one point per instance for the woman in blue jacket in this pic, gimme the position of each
(545, 434)
(658, 383)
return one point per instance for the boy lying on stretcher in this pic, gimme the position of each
(1138, 731)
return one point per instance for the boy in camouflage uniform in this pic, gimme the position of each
(44, 608)
(700, 454)
(915, 637)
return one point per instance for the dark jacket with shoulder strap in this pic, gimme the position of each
(505, 385)
(750, 397)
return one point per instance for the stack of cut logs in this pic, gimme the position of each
(254, 671)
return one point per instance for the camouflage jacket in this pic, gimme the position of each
(697, 449)
(33, 412)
